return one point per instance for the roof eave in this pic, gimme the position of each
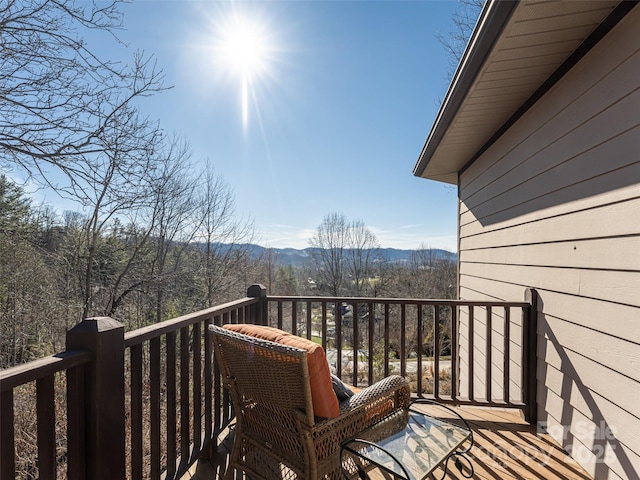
(488, 29)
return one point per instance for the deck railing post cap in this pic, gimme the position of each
(529, 294)
(257, 290)
(96, 325)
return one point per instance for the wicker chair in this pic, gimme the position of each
(277, 435)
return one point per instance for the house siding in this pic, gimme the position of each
(554, 204)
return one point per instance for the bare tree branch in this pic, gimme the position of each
(58, 100)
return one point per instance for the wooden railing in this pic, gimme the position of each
(493, 365)
(43, 373)
(148, 403)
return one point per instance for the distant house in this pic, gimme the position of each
(540, 130)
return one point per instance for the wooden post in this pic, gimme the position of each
(104, 400)
(258, 312)
(530, 365)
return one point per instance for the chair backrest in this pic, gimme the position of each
(265, 373)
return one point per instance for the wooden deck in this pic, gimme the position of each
(505, 447)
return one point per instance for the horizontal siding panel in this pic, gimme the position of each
(560, 280)
(588, 92)
(621, 321)
(619, 355)
(571, 160)
(587, 376)
(606, 95)
(474, 288)
(592, 408)
(595, 456)
(556, 201)
(604, 253)
(614, 286)
(609, 220)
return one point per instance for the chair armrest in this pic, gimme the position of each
(382, 388)
(361, 411)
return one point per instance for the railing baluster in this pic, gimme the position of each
(371, 345)
(436, 351)
(45, 411)
(309, 320)
(220, 395)
(76, 439)
(324, 325)
(386, 338)
(136, 410)
(355, 341)
(454, 352)
(294, 317)
(488, 366)
(171, 403)
(337, 316)
(208, 382)
(7, 438)
(154, 380)
(471, 348)
(506, 354)
(419, 343)
(184, 394)
(403, 344)
(197, 386)
(280, 314)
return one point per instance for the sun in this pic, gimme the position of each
(243, 49)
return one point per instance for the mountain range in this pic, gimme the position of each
(298, 257)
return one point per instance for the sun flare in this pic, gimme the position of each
(243, 50)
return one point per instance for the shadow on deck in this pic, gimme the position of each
(505, 447)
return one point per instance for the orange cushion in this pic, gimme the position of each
(325, 402)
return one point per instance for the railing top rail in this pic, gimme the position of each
(28, 372)
(407, 301)
(141, 335)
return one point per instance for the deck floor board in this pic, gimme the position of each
(505, 447)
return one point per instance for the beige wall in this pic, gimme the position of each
(554, 204)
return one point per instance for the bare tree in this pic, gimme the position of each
(462, 24)
(327, 253)
(27, 286)
(343, 255)
(224, 236)
(268, 265)
(362, 256)
(175, 223)
(118, 183)
(58, 100)
(161, 225)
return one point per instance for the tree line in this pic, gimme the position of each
(169, 257)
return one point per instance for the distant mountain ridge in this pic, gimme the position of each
(298, 257)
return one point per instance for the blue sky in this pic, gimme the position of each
(336, 117)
